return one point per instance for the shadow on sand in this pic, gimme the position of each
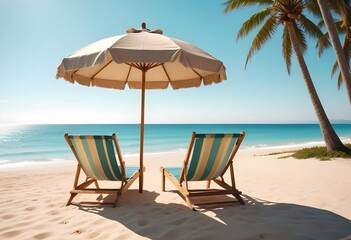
(258, 219)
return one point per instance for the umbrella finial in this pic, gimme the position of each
(143, 29)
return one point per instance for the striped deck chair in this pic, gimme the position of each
(208, 158)
(96, 157)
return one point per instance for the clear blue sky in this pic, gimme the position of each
(35, 35)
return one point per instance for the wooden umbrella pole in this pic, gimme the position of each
(141, 177)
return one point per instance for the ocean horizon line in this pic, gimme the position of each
(346, 122)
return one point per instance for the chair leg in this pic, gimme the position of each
(163, 180)
(75, 183)
(130, 181)
(237, 194)
(190, 204)
(239, 198)
(208, 184)
(71, 198)
(118, 194)
(96, 184)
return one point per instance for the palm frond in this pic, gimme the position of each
(322, 44)
(343, 9)
(334, 69)
(300, 38)
(310, 28)
(339, 6)
(287, 49)
(339, 26)
(321, 23)
(313, 8)
(263, 35)
(347, 52)
(254, 21)
(339, 81)
(236, 4)
(335, 5)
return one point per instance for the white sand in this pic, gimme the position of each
(285, 199)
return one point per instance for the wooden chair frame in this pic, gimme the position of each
(82, 188)
(183, 186)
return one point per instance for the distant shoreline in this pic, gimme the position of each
(11, 166)
(27, 145)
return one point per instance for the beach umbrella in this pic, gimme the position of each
(141, 59)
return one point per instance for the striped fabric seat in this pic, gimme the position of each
(97, 158)
(208, 158)
(210, 155)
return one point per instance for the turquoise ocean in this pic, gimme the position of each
(36, 144)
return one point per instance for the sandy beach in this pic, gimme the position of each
(285, 199)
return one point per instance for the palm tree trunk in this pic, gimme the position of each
(331, 140)
(335, 41)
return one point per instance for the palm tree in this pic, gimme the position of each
(343, 26)
(289, 14)
(335, 41)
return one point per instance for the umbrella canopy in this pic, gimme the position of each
(141, 59)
